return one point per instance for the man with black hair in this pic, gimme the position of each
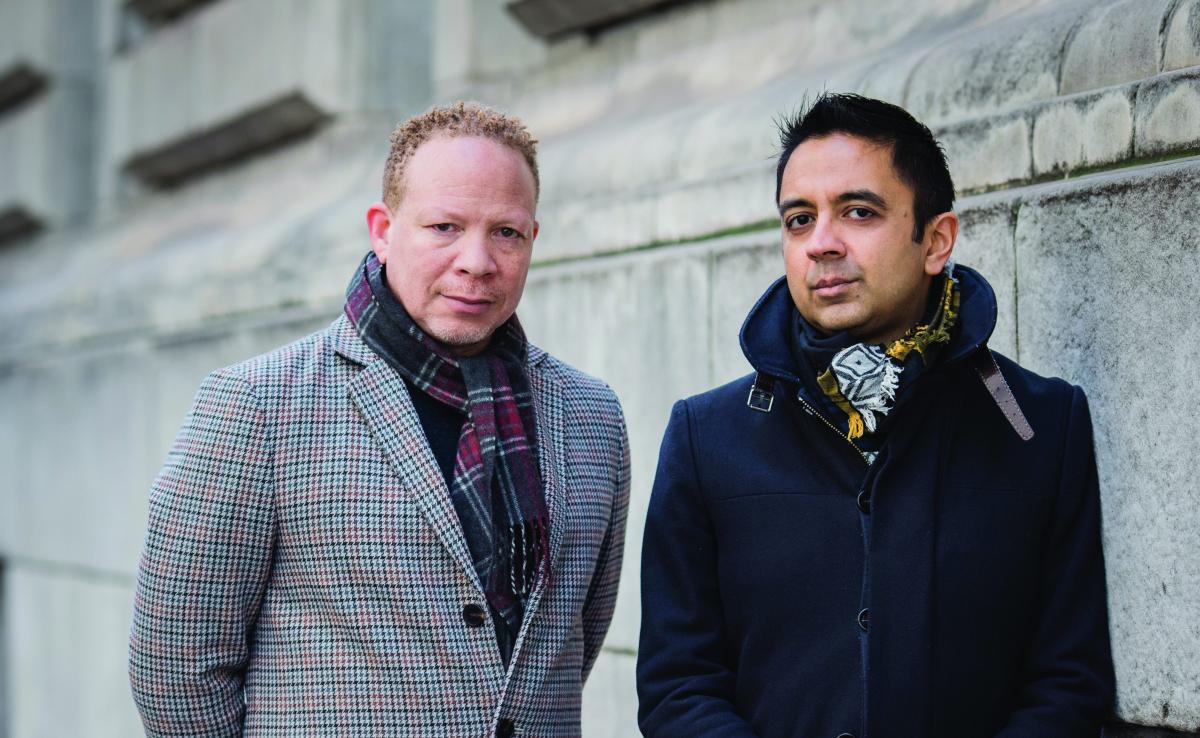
(887, 530)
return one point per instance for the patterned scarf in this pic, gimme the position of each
(497, 489)
(862, 379)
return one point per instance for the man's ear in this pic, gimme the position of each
(940, 235)
(379, 225)
(533, 236)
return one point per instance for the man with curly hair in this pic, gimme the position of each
(409, 523)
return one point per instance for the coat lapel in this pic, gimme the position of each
(382, 397)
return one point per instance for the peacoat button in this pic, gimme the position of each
(864, 618)
(845, 735)
(864, 502)
(505, 728)
(473, 615)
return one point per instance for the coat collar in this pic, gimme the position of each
(764, 333)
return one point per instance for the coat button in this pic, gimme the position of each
(474, 616)
(845, 735)
(864, 618)
(505, 728)
(864, 502)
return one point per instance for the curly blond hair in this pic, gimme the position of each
(459, 119)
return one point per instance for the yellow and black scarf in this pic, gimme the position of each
(862, 379)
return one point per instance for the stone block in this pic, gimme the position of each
(53, 37)
(610, 697)
(888, 79)
(83, 488)
(1086, 130)
(986, 153)
(743, 268)
(1005, 64)
(1107, 302)
(242, 74)
(1117, 42)
(985, 243)
(1182, 48)
(66, 638)
(44, 153)
(641, 323)
(1168, 114)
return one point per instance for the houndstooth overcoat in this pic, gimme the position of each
(304, 572)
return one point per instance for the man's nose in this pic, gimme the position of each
(474, 255)
(824, 242)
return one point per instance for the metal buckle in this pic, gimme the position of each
(762, 395)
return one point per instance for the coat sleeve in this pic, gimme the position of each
(1069, 687)
(602, 593)
(685, 674)
(204, 566)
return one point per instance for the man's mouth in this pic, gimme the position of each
(469, 304)
(828, 287)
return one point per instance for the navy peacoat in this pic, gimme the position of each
(953, 588)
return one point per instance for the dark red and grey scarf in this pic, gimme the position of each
(497, 489)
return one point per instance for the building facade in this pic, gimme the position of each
(183, 184)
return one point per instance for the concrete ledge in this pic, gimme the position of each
(551, 18)
(43, 146)
(160, 9)
(19, 82)
(252, 69)
(17, 222)
(270, 124)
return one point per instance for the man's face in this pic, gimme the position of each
(458, 245)
(848, 219)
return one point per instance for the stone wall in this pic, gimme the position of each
(1072, 128)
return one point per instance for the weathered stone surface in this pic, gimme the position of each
(610, 697)
(241, 55)
(1117, 42)
(987, 153)
(743, 268)
(1182, 47)
(1016, 61)
(985, 243)
(1168, 114)
(50, 35)
(1107, 302)
(66, 640)
(641, 322)
(43, 145)
(1086, 130)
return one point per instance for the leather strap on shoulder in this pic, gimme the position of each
(987, 369)
(762, 393)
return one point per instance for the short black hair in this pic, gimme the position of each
(917, 157)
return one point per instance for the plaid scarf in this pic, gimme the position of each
(497, 489)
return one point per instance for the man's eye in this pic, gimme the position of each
(507, 232)
(799, 220)
(442, 227)
(860, 213)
